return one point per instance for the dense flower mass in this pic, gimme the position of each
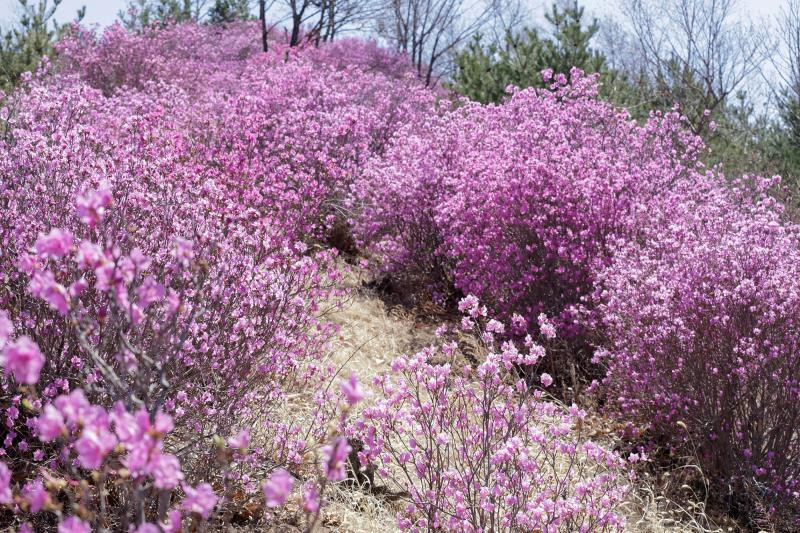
(517, 203)
(168, 202)
(163, 196)
(702, 321)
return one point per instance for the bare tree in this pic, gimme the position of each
(786, 64)
(322, 20)
(696, 52)
(428, 30)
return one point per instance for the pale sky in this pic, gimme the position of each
(104, 12)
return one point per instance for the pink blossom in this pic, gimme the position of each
(6, 495)
(73, 406)
(6, 328)
(199, 500)
(546, 379)
(310, 497)
(74, 525)
(93, 445)
(166, 471)
(35, 495)
(546, 327)
(50, 424)
(278, 487)
(334, 457)
(91, 207)
(173, 522)
(43, 285)
(352, 390)
(240, 441)
(24, 359)
(55, 244)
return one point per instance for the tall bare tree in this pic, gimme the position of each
(696, 52)
(322, 20)
(429, 30)
(786, 64)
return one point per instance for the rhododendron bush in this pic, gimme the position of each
(516, 203)
(478, 450)
(701, 317)
(162, 280)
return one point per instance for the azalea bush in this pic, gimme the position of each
(162, 281)
(109, 468)
(701, 318)
(518, 203)
(477, 449)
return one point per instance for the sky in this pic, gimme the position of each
(104, 12)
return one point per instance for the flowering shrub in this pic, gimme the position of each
(517, 203)
(123, 453)
(477, 450)
(290, 129)
(161, 285)
(701, 317)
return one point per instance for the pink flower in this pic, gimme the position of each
(23, 358)
(147, 528)
(43, 285)
(166, 471)
(495, 326)
(6, 328)
(74, 525)
(73, 406)
(93, 445)
(90, 255)
(546, 379)
(352, 390)
(6, 495)
(334, 457)
(35, 494)
(150, 291)
(468, 303)
(240, 441)
(50, 424)
(184, 251)
(91, 207)
(310, 498)
(200, 500)
(173, 522)
(278, 487)
(55, 244)
(546, 327)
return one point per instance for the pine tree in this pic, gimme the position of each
(224, 11)
(23, 46)
(484, 72)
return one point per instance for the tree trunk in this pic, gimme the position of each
(262, 16)
(296, 21)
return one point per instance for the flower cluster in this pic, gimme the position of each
(516, 203)
(477, 450)
(702, 321)
(162, 283)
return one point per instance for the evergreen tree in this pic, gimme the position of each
(483, 72)
(143, 13)
(23, 46)
(224, 11)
